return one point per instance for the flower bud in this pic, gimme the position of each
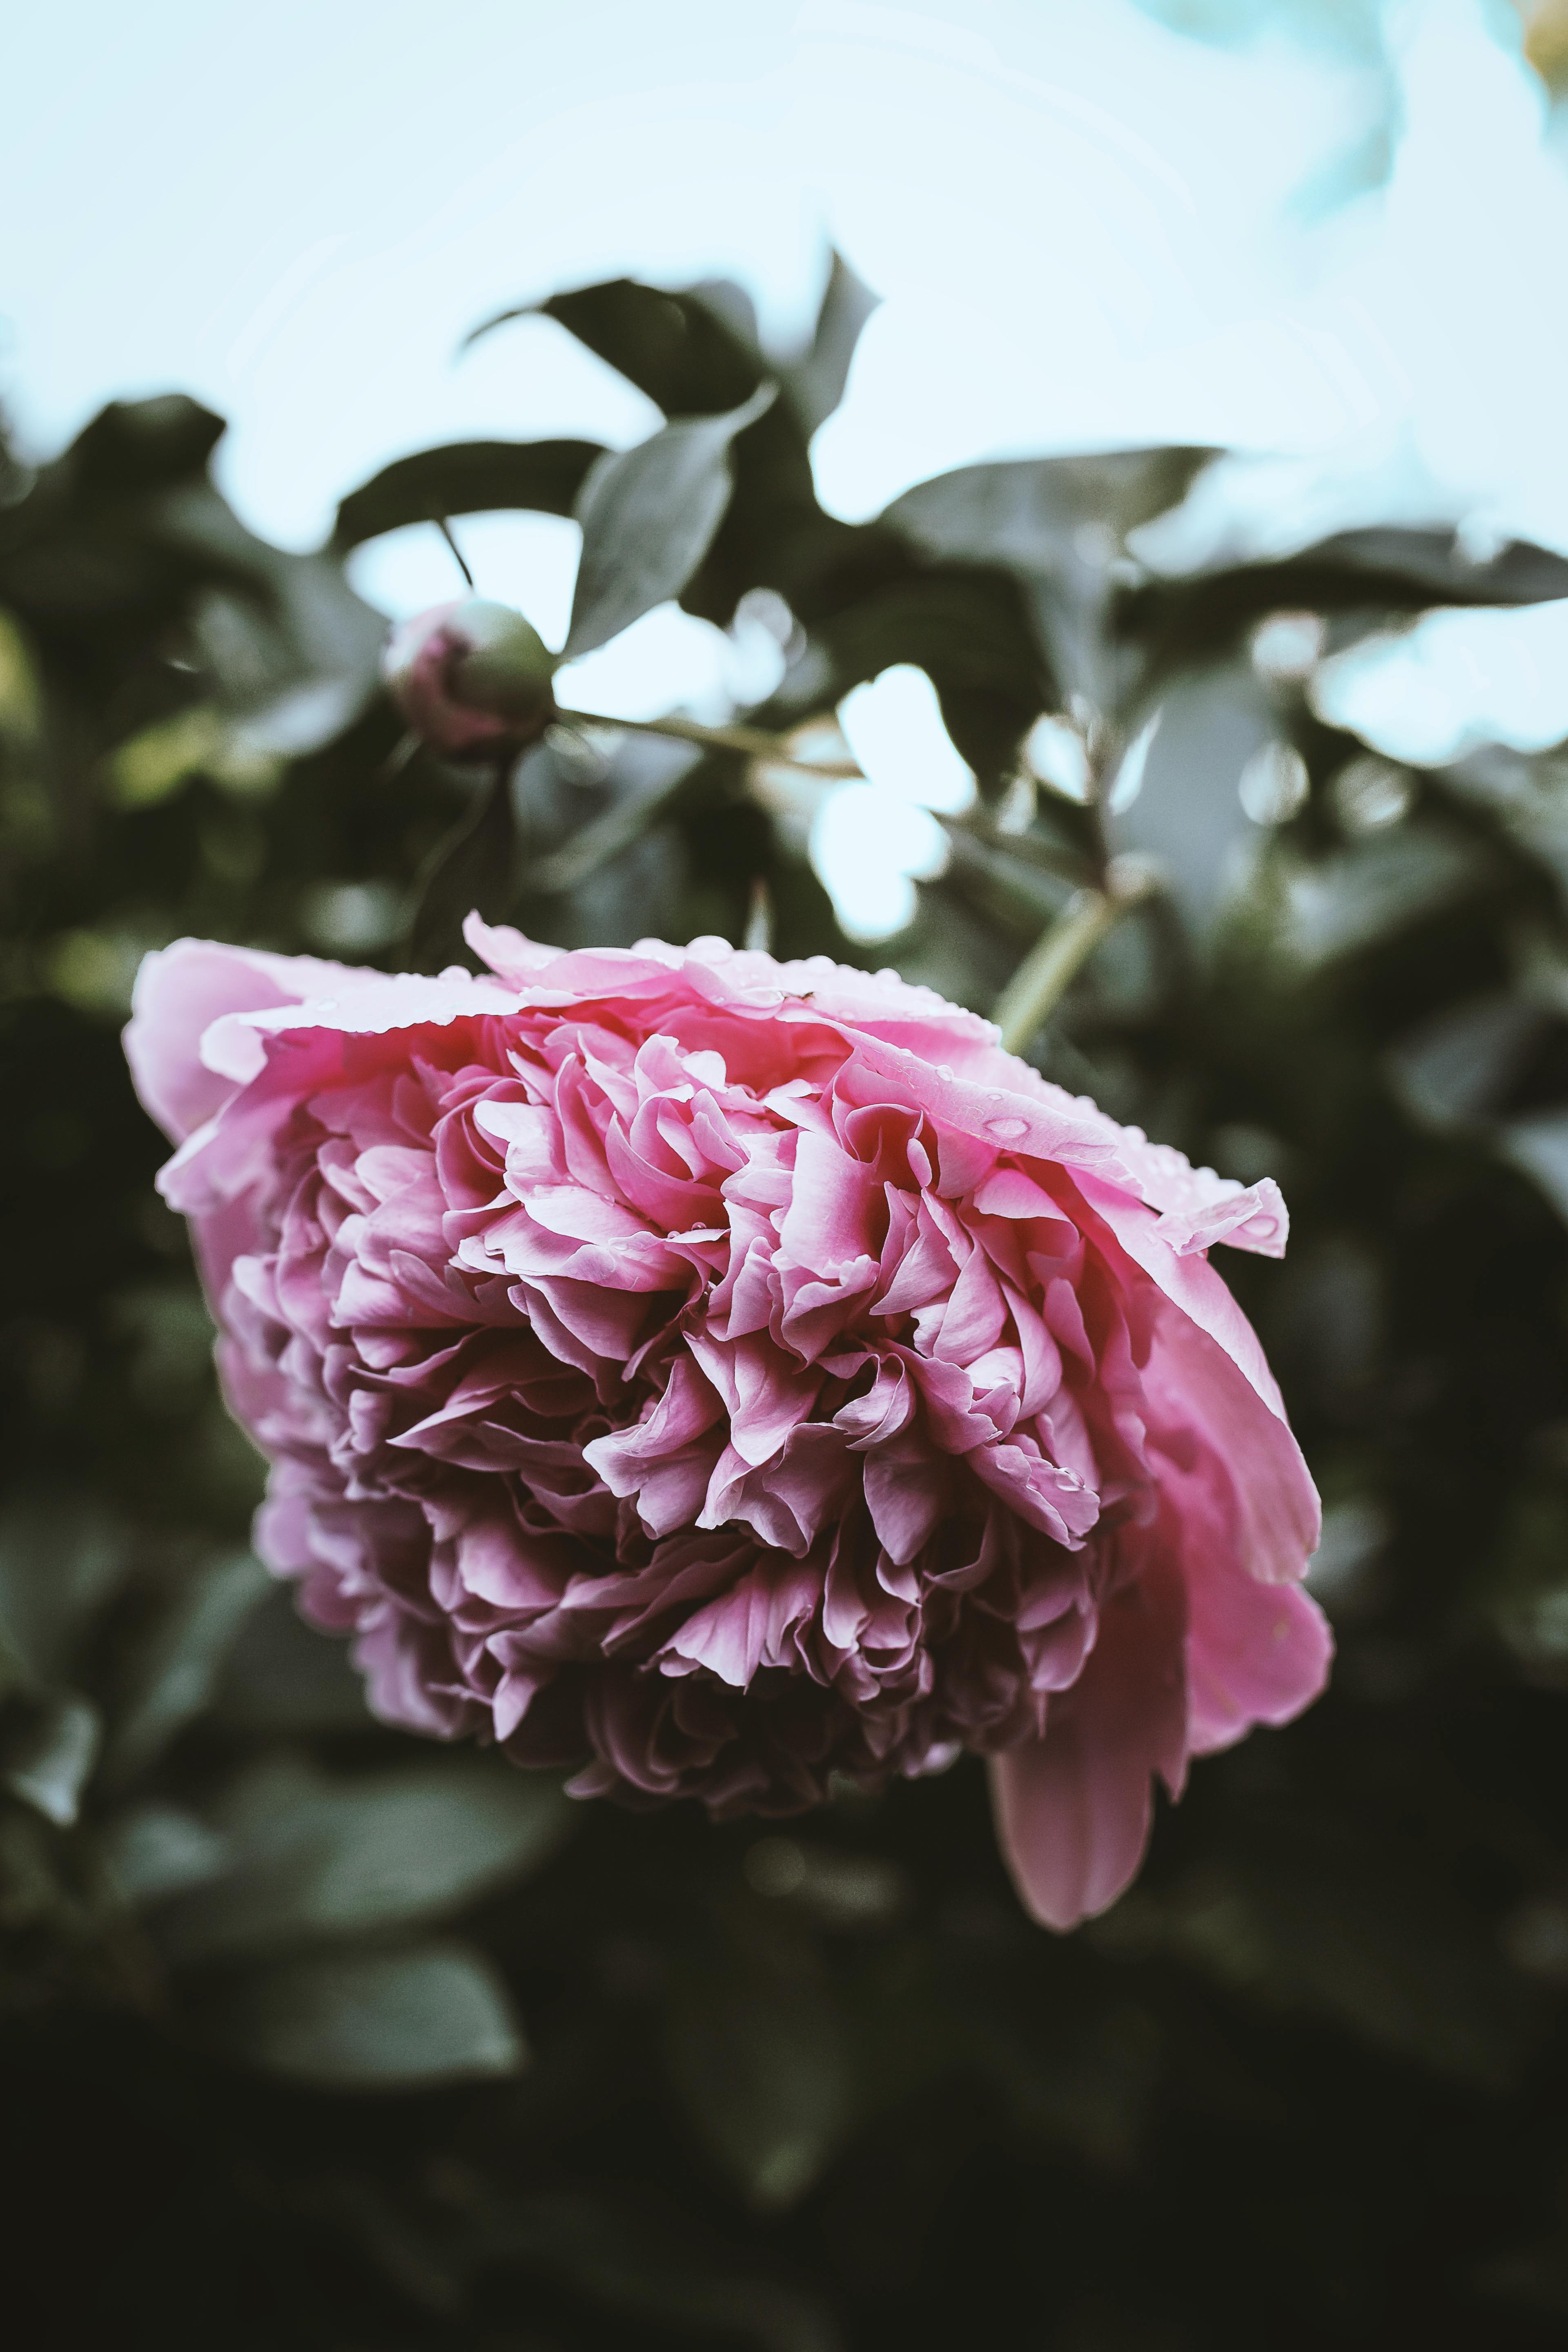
(470, 678)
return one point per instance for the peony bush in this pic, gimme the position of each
(716, 1375)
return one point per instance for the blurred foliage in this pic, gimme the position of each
(316, 2035)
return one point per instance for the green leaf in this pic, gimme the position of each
(669, 776)
(1523, 1594)
(1526, 794)
(156, 1851)
(465, 478)
(315, 1859)
(648, 517)
(283, 1675)
(1334, 1919)
(60, 1560)
(762, 2063)
(1434, 565)
(373, 2020)
(1538, 1147)
(1368, 576)
(174, 1672)
(48, 1749)
(1336, 907)
(1061, 525)
(199, 741)
(1456, 1068)
(138, 445)
(971, 637)
(681, 350)
(125, 537)
(1185, 812)
(814, 383)
(1001, 887)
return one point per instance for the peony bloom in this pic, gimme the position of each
(717, 1374)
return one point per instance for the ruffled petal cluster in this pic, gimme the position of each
(716, 1374)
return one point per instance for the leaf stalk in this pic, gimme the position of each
(749, 742)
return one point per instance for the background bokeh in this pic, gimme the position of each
(315, 2035)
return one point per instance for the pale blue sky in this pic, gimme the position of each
(1082, 224)
(1088, 230)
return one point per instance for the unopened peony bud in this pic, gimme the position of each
(470, 678)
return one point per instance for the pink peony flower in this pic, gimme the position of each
(717, 1374)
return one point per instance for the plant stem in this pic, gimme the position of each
(759, 932)
(1041, 980)
(752, 742)
(444, 528)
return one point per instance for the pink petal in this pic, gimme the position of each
(1255, 1653)
(1073, 1807)
(180, 991)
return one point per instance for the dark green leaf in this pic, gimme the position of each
(970, 634)
(762, 2065)
(137, 444)
(814, 383)
(730, 303)
(677, 348)
(60, 1560)
(1434, 566)
(1457, 1067)
(1524, 1591)
(282, 1675)
(1061, 525)
(649, 516)
(1005, 889)
(47, 1748)
(1538, 1148)
(1333, 1920)
(1372, 575)
(1526, 794)
(157, 1851)
(373, 2020)
(1337, 905)
(465, 478)
(669, 778)
(1186, 812)
(174, 1672)
(125, 534)
(315, 1859)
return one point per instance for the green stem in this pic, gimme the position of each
(1042, 979)
(752, 742)
(444, 528)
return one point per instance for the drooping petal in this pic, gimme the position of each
(1255, 1653)
(1073, 1807)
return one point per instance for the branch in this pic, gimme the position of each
(1042, 979)
(751, 742)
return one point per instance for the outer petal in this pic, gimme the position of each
(1255, 1653)
(987, 1103)
(180, 991)
(1073, 1807)
(271, 1056)
(1206, 1375)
